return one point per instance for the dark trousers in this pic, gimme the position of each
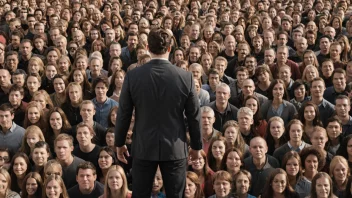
(173, 173)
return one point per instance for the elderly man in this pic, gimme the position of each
(224, 111)
(208, 131)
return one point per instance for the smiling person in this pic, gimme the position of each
(33, 185)
(232, 161)
(40, 156)
(242, 182)
(322, 186)
(222, 183)
(107, 159)
(339, 172)
(32, 135)
(5, 185)
(278, 186)
(216, 152)
(19, 168)
(35, 116)
(54, 187)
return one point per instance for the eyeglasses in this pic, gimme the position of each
(5, 158)
(73, 48)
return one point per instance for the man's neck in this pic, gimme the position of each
(101, 99)
(257, 50)
(66, 162)
(89, 121)
(207, 133)
(259, 163)
(86, 192)
(27, 57)
(281, 63)
(161, 56)
(6, 88)
(221, 107)
(317, 100)
(87, 149)
(336, 59)
(338, 90)
(245, 131)
(5, 130)
(229, 52)
(344, 119)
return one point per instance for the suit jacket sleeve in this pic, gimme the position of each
(193, 117)
(125, 111)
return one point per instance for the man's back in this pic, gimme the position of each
(161, 93)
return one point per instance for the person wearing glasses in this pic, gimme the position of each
(5, 158)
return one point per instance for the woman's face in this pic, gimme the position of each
(308, 59)
(158, 182)
(178, 55)
(292, 166)
(336, 23)
(222, 188)
(279, 183)
(52, 57)
(278, 91)
(218, 150)
(39, 44)
(198, 164)
(340, 172)
(197, 86)
(75, 94)
(119, 79)
(233, 162)
(78, 76)
(311, 74)
(349, 148)
(3, 184)
(309, 113)
(115, 20)
(104, 160)
(33, 115)
(53, 189)
(334, 130)
(32, 139)
(19, 166)
(231, 134)
(115, 65)
(53, 170)
(55, 121)
(40, 156)
(33, 84)
(190, 189)
(34, 67)
(50, 71)
(206, 62)
(31, 186)
(77, 17)
(41, 100)
(311, 163)
(322, 187)
(59, 85)
(276, 129)
(252, 104)
(110, 139)
(300, 91)
(342, 43)
(115, 180)
(94, 34)
(81, 64)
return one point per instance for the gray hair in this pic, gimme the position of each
(206, 109)
(246, 111)
(223, 85)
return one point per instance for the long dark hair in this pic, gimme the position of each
(343, 147)
(271, 88)
(316, 120)
(257, 117)
(268, 189)
(14, 184)
(36, 176)
(113, 156)
(66, 126)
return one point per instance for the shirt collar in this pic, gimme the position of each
(303, 144)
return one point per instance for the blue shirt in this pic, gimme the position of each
(102, 110)
(12, 139)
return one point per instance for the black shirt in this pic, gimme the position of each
(97, 191)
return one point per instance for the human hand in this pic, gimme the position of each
(121, 152)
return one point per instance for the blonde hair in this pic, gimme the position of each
(339, 160)
(33, 129)
(59, 180)
(124, 188)
(39, 62)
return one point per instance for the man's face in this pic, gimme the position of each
(6, 119)
(268, 38)
(282, 55)
(31, 22)
(342, 107)
(194, 54)
(63, 150)
(242, 51)
(87, 112)
(39, 29)
(133, 28)
(132, 41)
(335, 51)
(18, 80)
(250, 63)
(230, 43)
(269, 57)
(241, 76)
(214, 80)
(53, 20)
(222, 95)
(85, 179)
(327, 68)
(54, 34)
(329, 31)
(301, 45)
(5, 78)
(286, 25)
(248, 88)
(14, 25)
(208, 120)
(26, 48)
(15, 41)
(258, 148)
(15, 98)
(324, 45)
(339, 81)
(115, 50)
(11, 62)
(220, 66)
(84, 136)
(282, 40)
(101, 90)
(197, 72)
(285, 74)
(318, 88)
(257, 44)
(95, 66)
(61, 44)
(310, 39)
(185, 42)
(245, 121)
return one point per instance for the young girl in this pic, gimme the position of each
(32, 135)
(33, 83)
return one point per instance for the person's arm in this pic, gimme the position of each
(125, 110)
(193, 117)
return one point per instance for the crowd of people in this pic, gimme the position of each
(273, 77)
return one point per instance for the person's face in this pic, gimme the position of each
(19, 166)
(95, 66)
(206, 62)
(84, 136)
(15, 41)
(231, 134)
(340, 172)
(63, 65)
(269, 56)
(40, 156)
(34, 67)
(282, 55)
(194, 54)
(214, 80)
(6, 119)
(115, 50)
(322, 187)
(87, 112)
(39, 43)
(55, 121)
(59, 85)
(197, 72)
(319, 139)
(339, 81)
(221, 66)
(12, 62)
(52, 56)
(250, 64)
(41, 100)
(252, 104)
(335, 51)
(301, 45)
(276, 129)
(327, 68)
(4, 185)
(285, 74)
(324, 45)
(292, 166)
(190, 189)
(53, 189)
(104, 160)
(100, 90)
(218, 150)
(242, 184)
(185, 42)
(31, 186)
(77, 36)
(296, 133)
(233, 162)
(110, 35)
(334, 130)
(342, 107)
(158, 182)
(309, 113)
(110, 139)
(61, 44)
(286, 25)
(222, 95)
(318, 88)
(311, 163)
(115, 181)
(63, 150)
(222, 188)
(132, 41)
(50, 71)
(75, 94)
(278, 91)
(279, 183)
(18, 80)
(243, 51)
(33, 115)
(308, 59)
(248, 87)
(4, 159)
(26, 48)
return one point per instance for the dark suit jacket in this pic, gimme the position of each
(161, 94)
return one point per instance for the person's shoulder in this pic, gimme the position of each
(73, 191)
(99, 186)
(19, 129)
(12, 194)
(77, 160)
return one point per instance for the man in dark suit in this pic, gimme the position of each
(161, 95)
